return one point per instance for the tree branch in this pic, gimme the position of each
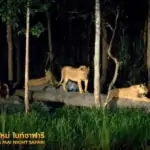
(108, 25)
(117, 63)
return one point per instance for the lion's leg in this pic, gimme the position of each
(85, 85)
(48, 80)
(80, 87)
(64, 84)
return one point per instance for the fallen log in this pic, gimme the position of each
(58, 95)
(76, 99)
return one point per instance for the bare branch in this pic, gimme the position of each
(109, 26)
(114, 59)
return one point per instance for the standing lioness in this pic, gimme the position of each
(75, 74)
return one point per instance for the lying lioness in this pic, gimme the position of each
(48, 78)
(75, 74)
(134, 92)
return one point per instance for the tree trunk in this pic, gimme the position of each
(10, 52)
(49, 39)
(104, 56)
(97, 96)
(148, 46)
(18, 74)
(27, 59)
(145, 34)
(16, 40)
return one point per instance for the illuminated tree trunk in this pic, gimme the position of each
(27, 59)
(97, 96)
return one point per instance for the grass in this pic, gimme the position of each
(82, 128)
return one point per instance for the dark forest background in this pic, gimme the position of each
(73, 33)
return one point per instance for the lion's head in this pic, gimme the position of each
(142, 89)
(84, 71)
(49, 77)
(48, 74)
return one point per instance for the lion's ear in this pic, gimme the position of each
(141, 85)
(144, 84)
(82, 67)
(45, 70)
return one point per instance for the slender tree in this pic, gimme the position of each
(9, 41)
(97, 96)
(27, 58)
(104, 56)
(10, 52)
(148, 45)
(49, 38)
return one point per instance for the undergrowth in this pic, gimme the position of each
(81, 128)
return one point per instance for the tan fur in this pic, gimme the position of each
(134, 92)
(75, 74)
(47, 79)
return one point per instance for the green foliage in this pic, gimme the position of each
(73, 128)
(11, 10)
(131, 55)
(35, 30)
(124, 46)
(22, 32)
(139, 65)
(41, 8)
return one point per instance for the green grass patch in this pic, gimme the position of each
(81, 128)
